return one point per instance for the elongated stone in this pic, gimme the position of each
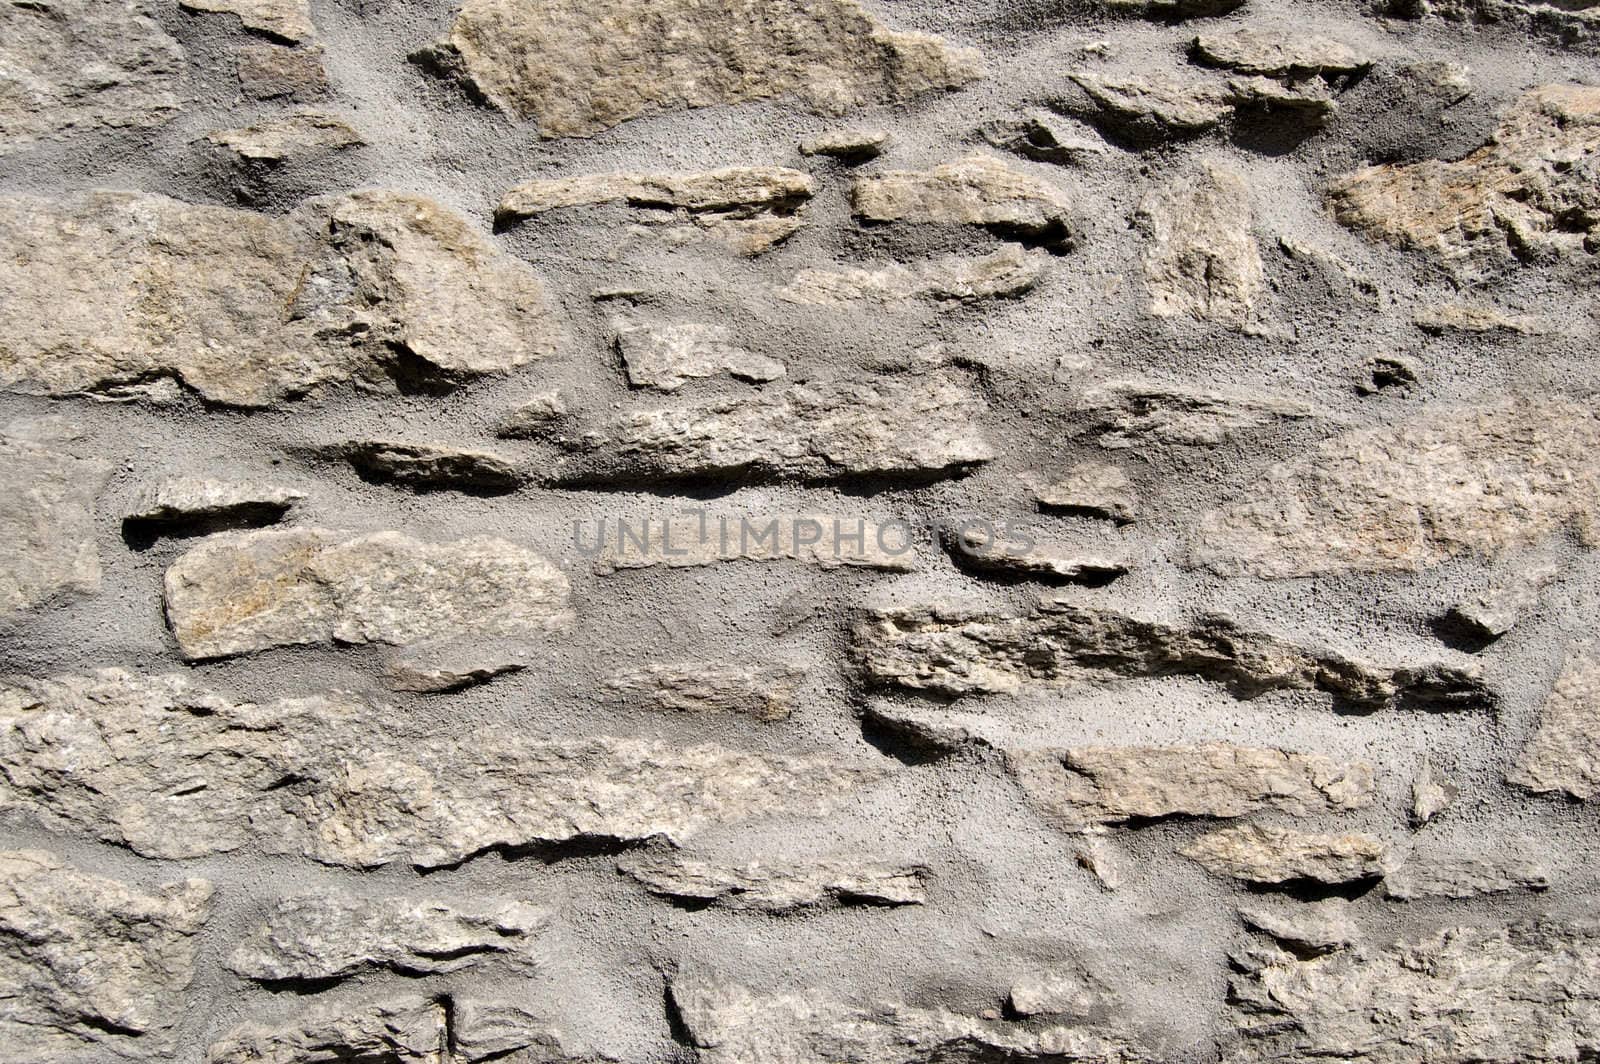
(430, 466)
(1095, 489)
(46, 521)
(1455, 875)
(779, 886)
(1128, 413)
(1279, 53)
(763, 692)
(977, 190)
(579, 68)
(179, 502)
(292, 138)
(1256, 853)
(1146, 110)
(172, 770)
(666, 357)
(1310, 927)
(1003, 274)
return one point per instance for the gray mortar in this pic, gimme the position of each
(1006, 896)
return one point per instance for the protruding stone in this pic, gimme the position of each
(1256, 853)
(110, 288)
(1458, 876)
(292, 138)
(533, 418)
(750, 208)
(827, 541)
(46, 521)
(1128, 413)
(1147, 110)
(270, 72)
(1491, 613)
(983, 551)
(978, 190)
(1477, 481)
(243, 591)
(1310, 102)
(763, 692)
(70, 66)
(186, 505)
(93, 968)
(288, 20)
(1043, 138)
(1439, 318)
(1431, 794)
(847, 145)
(430, 466)
(325, 936)
(779, 886)
(171, 770)
(1563, 757)
(455, 664)
(955, 651)
(1279, 53)
(1073, 996)
(1523, 196)
(1202, 261)
(916, 425)
(1002, 274)
(583, 66)
(1083, 788)
(1383, 373)
(666, 357)
(1095, 489)
(1306, 928)
(402, 1030)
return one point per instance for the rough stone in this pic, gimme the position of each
(179, 504)
(1493, 612)
(1257, 853)
(1477, 481)
(93, 968)
(1146, 110)
(1528, 194)
(847, 145)
(327, 936)
(763, 692)
(288, 20)
(1088, 786)
(46, 522)
(72, 66)
(270, 72)
(982, 551)
(1042, 138)
(977, 190)
(581, 68)
(750, 208)
(533, 418)
(1279, 53)
(292, 138)
(666, 357)
(1307, 928)
(1527, 993)
(1431, 794)
(244, 591)
(453, 665)
(1002, 274)
(117, 288)
(430, 466)
(1456, 875)
(400, 1030)
(1095, 489)
(1075, 996)
(1563, 756)
(908, 425)
(954, 651)
(827, 541)
(779, 886)
(1309, 102)
(171, 770)
(1202, 260)
(1128, 413)
(1440, 318)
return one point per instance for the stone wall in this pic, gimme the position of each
(778, 531)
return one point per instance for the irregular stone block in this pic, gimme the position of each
(112, 288)
(1471, 481)
(1075, 996)
(1146, 110)
(46, 522)
(1042, 138)
(430, 466)
(1308, 928)
(1431, 794)
(847, 145)
(1563, 756)
(582, 67)
(172, 770)
(270, 71)
(288, 20)
(983, 551)
(977, 190)
(779, 886)
(1128, 413)
(1458, 876)
(1279, 54)
(70, 66)
(1095, 489)
(292, 138)
(919, 425)
(533, 418)
(1085, 787)
(1009, 272)
(180, 505)
(666, 357)
(1259, 854)
(326, 936)
(955, 651)
(1202, 259)
(91, 966)
(763, 692)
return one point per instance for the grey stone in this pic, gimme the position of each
(93, 968)
(1493, 612)
(580, 68)
(1431, 794)
(1475, 481)
(1307, 928)
(1279, 53)
(270, 72)
(847, 145)
(667, 356)
(1257, 853)
(1043, 138)
(1201, 259)
(288, 20)
(1457, 875)
(1074, 996)
(779, 886)
(46, 522)
(1097, 489)
(1146, 110)
(179, 503)
(1085, 787)
(172, 770)
(1011, 271)
(977, 190)
(984, 551)
(430, 466)
(447, 665)
(1128, 413)
(328, 936)
(765, 692)
(1563, 756)
(292, 138)
(1309, 102)
(533, 418)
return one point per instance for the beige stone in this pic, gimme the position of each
(46, 522)
(763, 692)
(1563, 756)
(1201, 259)
(665, 357)
(1002, 274)
(289, 20)
(976, 190)
(292, 138)
(1257, 853)
(779, 886)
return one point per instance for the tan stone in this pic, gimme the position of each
(1563, 756)
(763, 692)
(1202, 260)
(292, 138)
(667, 356)
(46, 522)
(977, 190)
(289, 20)
(779, 886)
(1002, 274)
(1259, 854)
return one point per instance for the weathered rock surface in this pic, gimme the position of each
(46, 521)
(1085, 787)
(1528, 993)
(977, 190)
(779, 886)
(986, 553)
(1202, 260)
(1494, 611)
(289, 20)
(1043, 138)
(1563, 757)
(179, 504)
(1095, 489)
(1278, 53)
(1260, 854)
(1527, 195)
(292, 138)
(847, 145)
(728, 1024)
(581, 68)
(914, 425)
(449, 665)
(1075, 996)
(533, 418)
(172, 770)
(1304, 927)
(1471, 481)
(244, 591)
(666, 357)
(765, 692)
(1128, 413)
(1441, 318)
(1146, 110)
(430, 466)
(1454, 875)
(956, 651)
(326, 936)
(827, 541)
(108, 289)
(1008, 272)
(93, 968)
(1431, 794)
(750, 208)
(270, 72)
(71, 66)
